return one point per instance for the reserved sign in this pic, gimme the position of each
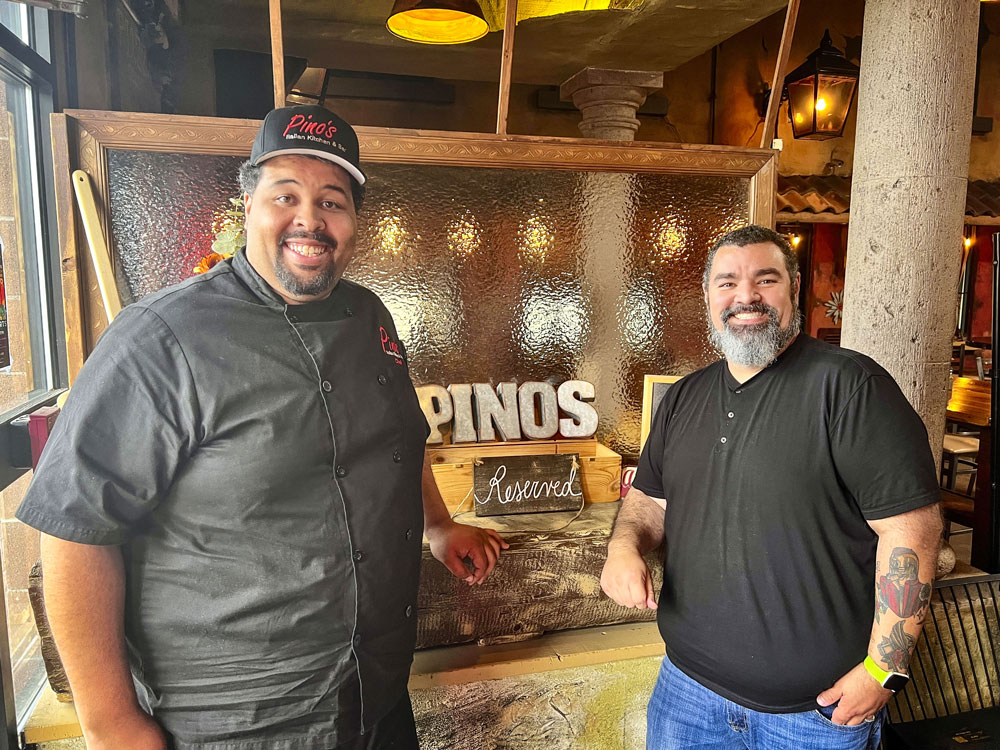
(527, 484)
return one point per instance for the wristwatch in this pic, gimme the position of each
(894, 681)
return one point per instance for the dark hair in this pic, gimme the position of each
(250, 176)
(753, 234)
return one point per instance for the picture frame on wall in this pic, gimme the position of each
(654, 388)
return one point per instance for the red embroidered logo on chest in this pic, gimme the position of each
(390, 347)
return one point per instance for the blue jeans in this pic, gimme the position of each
(684, 714)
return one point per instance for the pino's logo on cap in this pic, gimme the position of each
(307, 126)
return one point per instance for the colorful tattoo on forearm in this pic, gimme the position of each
(895, 649)
(900, 590)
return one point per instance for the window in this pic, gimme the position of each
(31, 323)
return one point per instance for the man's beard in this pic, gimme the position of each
(753, 345)
(313, 285)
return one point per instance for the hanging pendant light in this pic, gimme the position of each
(437, 21)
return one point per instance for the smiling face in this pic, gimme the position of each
(301, 226)
(751, 303)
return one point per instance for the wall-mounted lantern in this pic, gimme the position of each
(820, 92)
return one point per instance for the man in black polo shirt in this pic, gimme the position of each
(233, 500)
(796, 490)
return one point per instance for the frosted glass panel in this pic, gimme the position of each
(491, 274)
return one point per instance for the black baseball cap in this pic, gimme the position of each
(308, 130)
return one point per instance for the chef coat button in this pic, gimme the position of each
(341, 472)
(409, 533)
(327, 386)
(409, 610)
(358, 555)
(382, 379)
(722, 440)
(348, 312)
(357, 639)
(731, 415)
(396, 456)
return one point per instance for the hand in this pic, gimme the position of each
(137, 731)
(627, 580)
(859, 694)
(452, 543)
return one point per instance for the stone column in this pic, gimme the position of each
(609, 100)
(911, 167)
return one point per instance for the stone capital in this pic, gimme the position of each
(609, 99)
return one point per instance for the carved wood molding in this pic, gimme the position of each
(216, 135)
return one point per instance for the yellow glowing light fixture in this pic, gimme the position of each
(820, 92)
(437, 21)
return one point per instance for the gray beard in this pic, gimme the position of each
(755, 346)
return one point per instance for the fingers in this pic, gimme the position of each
(484, 556)
(627, 581)
(650, 594)
(455, 562)
(496, 537)
(830, 696)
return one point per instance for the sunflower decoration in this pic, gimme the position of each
(835, 306)
(228, 234)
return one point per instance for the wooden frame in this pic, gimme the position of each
(650, 401)
(82, 139)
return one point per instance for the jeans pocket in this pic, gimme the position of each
(828, 720)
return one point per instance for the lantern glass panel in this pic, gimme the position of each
(801, 95)
(833, 102)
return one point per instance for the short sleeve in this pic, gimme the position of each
(649, 473)
(881, 451)
(128, 424)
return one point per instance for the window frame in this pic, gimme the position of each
(23, 63)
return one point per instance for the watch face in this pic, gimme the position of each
(895, 682)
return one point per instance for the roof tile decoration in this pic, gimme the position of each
(828, 194)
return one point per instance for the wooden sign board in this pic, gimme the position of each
(527, 484)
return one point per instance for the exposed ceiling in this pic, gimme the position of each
(657, 35)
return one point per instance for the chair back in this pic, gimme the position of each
(954, 667)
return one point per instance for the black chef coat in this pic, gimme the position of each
(260, 465)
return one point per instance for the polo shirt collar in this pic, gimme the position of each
(786, 356)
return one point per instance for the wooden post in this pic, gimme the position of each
(510, 21)
(778, 81)
(277, 54)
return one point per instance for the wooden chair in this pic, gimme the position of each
(970, 405)
(959, 456)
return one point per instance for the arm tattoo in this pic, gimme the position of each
(900, 590)
(895, 649)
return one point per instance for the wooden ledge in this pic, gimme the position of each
(448, 665)
(456, 665)
(51, 720)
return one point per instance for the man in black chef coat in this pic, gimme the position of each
(233, 500)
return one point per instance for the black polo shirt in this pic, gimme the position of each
(769, 570)
(260, 464)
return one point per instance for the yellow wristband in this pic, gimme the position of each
(875, 670)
